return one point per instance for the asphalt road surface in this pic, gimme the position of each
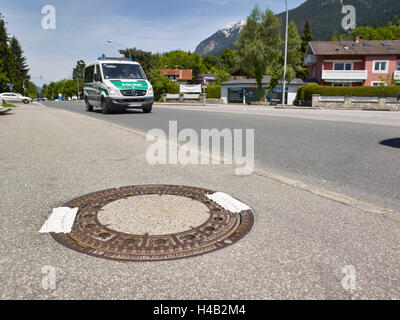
(348, 158)
(302, 245)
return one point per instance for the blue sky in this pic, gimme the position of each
(83, 27)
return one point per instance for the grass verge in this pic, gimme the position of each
(7, 105)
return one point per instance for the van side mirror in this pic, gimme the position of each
(148, 77)
(97, 77)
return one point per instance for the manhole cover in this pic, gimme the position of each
(153, 223)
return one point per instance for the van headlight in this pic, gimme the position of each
(113, 91)
(150, 91)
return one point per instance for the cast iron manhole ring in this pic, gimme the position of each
(223, 228)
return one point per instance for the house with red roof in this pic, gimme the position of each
(182, 76)
(358, 63)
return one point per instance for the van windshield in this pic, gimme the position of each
(122, 71)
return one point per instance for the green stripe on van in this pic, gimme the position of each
(130, 85)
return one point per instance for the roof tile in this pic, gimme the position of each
(321, 48)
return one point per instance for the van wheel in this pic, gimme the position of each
(88, 106)
(104, 107)
(25, 101)
(148, 108)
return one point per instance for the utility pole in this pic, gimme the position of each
(286, 49)
(204, 92)
(77, 80)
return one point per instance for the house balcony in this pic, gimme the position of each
(344, 75)
(396, 75)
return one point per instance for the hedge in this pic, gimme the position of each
(213, 91)
(305, 92)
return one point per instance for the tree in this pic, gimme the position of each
(305, 39)
(259, 45)
(13, 67)
(78, 74)
(162, 84)
(51, 92)
(70, 88)
(295, 54)
(43, 90)
(222, 76)
(210, 62)
(4, 56)
(146, 59)
(31, 89)
(335, 35)
(18, 69)
(182, 60)
(228, 60)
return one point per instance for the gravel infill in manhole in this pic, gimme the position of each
(153, 223)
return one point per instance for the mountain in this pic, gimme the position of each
(222, 39)
(325, 17)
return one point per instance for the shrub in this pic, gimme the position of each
(213, 91)
(162, 84)
(306, 92)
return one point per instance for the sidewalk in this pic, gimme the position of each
(297, 249)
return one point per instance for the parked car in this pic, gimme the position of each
(14, 97)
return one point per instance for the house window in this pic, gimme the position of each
(341, 84)
(343, 66)
(381, 66)
(379, 84)
(398, 66)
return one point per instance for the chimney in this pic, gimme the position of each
(176, 67)
(358, 39)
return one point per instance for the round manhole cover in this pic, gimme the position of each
(153, 223)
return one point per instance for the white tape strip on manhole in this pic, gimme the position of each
(227, 202)
(60, 221)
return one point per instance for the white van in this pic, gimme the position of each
(117, 84)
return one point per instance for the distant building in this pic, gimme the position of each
(207, 78)
(358, 63)
(182, 76)
(238, 75)
(235, 91)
